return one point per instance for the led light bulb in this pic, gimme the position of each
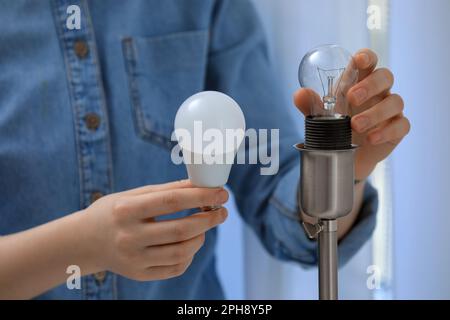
(209, 127)
(330, 72)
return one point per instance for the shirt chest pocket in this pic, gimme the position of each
(162, 72)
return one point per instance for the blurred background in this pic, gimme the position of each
(409, 254)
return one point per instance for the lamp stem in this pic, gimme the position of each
(328, 260)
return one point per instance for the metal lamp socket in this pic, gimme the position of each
(326, 182)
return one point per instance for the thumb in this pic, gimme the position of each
(305, 99)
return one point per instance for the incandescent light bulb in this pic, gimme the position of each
(329, 71)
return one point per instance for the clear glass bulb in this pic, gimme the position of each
(330, 72)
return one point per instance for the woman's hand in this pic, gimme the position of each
(378, 122)
(129, 240)
(118, 232)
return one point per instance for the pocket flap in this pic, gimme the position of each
(163, 71)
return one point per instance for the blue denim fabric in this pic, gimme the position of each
(145, 57)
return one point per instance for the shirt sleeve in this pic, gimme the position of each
(239, 65)
(293, 244)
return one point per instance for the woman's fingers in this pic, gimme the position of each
(362, 65)
(379, 81)
(170, 201)
(162, 244)
(366, 61)
(177, 230)
(393, 131)
(174, 253)
(158, 203)
(162, 272)
(388, 108)
(159, 187)
(306, 99)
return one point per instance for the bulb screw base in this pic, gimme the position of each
(327, 133)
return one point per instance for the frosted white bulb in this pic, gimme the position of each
(209, 127)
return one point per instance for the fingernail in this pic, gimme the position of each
(361, 124)
(224, 214)
(360, 95)
(365, 58)
(376, 138)
(222, 196)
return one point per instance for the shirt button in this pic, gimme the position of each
(81, 49)
(92, 121)
(100, 276)
(95, 196)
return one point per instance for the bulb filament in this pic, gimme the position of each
(329, 100)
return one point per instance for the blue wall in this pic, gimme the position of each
(420, 58)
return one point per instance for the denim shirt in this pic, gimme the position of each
(90, 112)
